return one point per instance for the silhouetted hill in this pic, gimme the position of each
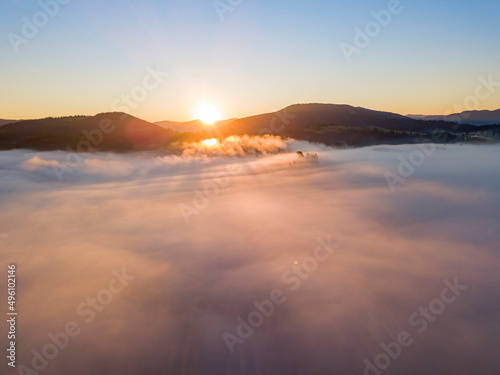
(301, 116)
(337, 125)
(191, 126)
(5, 122)
(468, 117)
(106, 131)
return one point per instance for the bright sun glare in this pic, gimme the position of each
(210, 142)
(208, 114)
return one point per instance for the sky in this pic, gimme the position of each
(171, 57)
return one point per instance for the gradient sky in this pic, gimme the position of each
(263, 56)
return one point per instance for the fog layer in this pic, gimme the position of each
(196, 240)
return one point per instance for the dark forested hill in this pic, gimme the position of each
(337, 125)
(301, 116)
(106, 131)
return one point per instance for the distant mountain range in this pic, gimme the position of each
(467, 117)
(300, 116)
(331, 124)
(5, 122)
(191, 126)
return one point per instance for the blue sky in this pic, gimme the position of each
(264, 55)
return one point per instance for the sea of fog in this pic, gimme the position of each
(378, 260)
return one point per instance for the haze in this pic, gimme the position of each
(191, 279)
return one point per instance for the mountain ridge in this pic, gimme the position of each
(476, 117)
(129, 133)
(191, 126)
(298, 116)
(330, 124)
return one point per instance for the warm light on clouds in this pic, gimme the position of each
(210, 142)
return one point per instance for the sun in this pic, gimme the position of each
(208, 114)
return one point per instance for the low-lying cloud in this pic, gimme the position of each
(236, 146)
(191, 283)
